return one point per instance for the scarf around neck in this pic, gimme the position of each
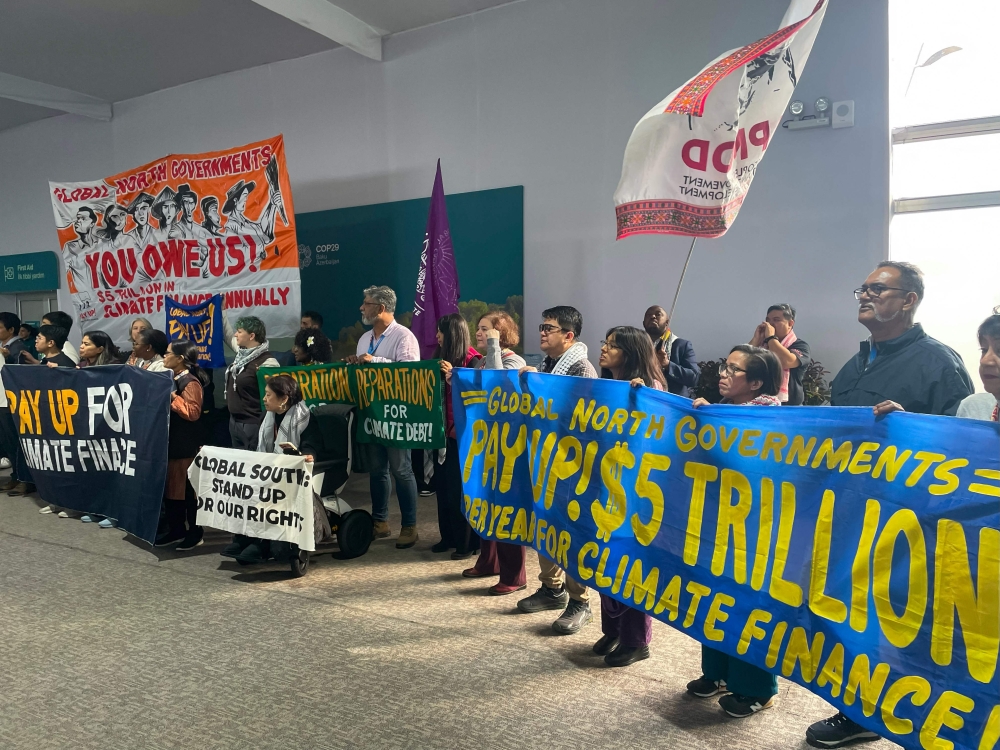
(569, 358)
(290, 430)
(243, 358)
(786, 342)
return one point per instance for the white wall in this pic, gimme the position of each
(542, 93)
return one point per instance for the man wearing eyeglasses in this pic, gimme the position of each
(899, 368)
(777, 335)
(564, 355)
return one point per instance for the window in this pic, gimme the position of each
(944, 110)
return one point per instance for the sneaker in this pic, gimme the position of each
(169, 537)
(425, 493)
(577, 615)
(837, 731)
(234, 548)
(107, 523)
(543, 599)
(502, 589)
(380, 530)
(441, 546)
(86, 519)
(625, 655)
(741, 706)
(194, 538)
(67, 514)
(706, 688)
(47, 509)
(21, 488)
(4, 463)
(606, 645)
(407, 537)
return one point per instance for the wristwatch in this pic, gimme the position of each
(769, 338)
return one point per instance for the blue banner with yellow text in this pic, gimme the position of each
(857, 557)
(200, 323)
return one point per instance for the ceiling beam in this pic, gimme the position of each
(43, 95)
(332, 22)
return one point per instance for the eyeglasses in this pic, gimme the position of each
(609, 344)
(876, 290)
(545, 328)
(729, 369)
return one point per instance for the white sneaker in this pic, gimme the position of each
(64, 514)
(46, 509)
(4, 463)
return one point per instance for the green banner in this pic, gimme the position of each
(399, 403)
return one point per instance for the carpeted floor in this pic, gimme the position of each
(106, 643)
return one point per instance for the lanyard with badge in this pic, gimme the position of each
(373, 345)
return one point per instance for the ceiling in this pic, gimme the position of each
(119, 49)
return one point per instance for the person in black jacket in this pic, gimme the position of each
(777, 335)
(11, 345)
(899, 368)
(674, 355)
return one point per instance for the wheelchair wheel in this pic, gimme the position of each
(354, 533)
(300, 564)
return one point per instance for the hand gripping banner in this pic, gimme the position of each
(187, 226)
(690, 160)
(858, 557)
(95, 440)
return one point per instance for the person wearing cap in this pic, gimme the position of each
(238, 223)
(141, 234)
(165, 212)
(777, 335)
(184, 228)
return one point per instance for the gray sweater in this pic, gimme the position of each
(977, 406)
(496, 359)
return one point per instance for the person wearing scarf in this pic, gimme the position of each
(286, 417)
(674, 356)
(777, 335)
(564, 355)
(750, 376)
(248, 341)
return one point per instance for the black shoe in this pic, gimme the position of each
(606, 645)
(625, 655)
(459, 555)
(543, 599)
(837, 731)
(441, 546)
(251, 554)
(577, 615)
(425, 493)
(238, 544)
(706, 688)
(194, 538)
(169, 537)
(741, 706)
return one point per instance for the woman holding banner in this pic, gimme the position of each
(186, 438)
(97, 349)
(148, 349)
(311, 346)
(627, 354)
(750, 376)
(454, 350)
(495, 335)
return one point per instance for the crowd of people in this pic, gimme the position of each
(898, 368)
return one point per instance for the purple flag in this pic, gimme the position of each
(437, 281)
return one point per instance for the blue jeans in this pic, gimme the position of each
(382, 461)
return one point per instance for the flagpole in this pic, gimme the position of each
(677, 294)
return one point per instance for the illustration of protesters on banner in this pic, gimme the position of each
(165, 212)
(237, 222)
(184, 227)
(141, 234)
(74, 254)
(210, 210)
(112, 232)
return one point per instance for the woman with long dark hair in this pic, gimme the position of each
(495, 335)
(187, 435)
(97, 348)
(311, 346)
(627, 354)
(750, 376)
(454, 350)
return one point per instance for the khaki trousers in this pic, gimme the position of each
(552, 576)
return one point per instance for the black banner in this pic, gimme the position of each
(95, 439)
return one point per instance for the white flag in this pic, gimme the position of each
(690, 161)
